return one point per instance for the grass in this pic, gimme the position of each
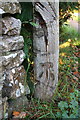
(69, 33)
(65, 99)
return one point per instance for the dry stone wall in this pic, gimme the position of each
(12, 73)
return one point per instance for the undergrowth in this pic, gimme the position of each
(65, 99)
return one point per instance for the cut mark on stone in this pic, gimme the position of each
(46, 73)
(41, 75)
(52, 76)
(47, 65)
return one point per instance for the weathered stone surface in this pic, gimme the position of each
(9, 6)
(1, 67)
(46, 73)
(10, 26)
(1, 105)
(1, 111)
(39, 44)
(0, 26)
(1, 11)
(46, 48)
(11, 43)
(15, 83)
(5, 107)
(1, 81)
(1, 85)
(17, 104)
(12, 73)
(14, 59)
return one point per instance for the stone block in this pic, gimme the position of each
(15, 83)
(11, 43)
(9, 6)
(5, 107)
(0, 26)
(1, 81)
(10, 26)
(0, 101)
(17, 104)
(1, 112)
(1, 108)
(11, 60)
(39, 44)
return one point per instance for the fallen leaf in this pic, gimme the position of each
(63, 54)
(72, 90)
(68, 65)
(60, 61)
(75, 73)
(15, 113)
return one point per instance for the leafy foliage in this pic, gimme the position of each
(72, 106)
(66, 9)
(26, 11)
(65, 100)
(26, 18)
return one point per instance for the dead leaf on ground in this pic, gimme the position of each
(75, 73)
(60, 61)
(15, 113)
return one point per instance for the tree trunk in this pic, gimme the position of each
(46, 48)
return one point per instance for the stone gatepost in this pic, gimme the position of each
(46, 48)
(12, 73)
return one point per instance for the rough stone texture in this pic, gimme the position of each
(17, 104)
(12, 73)
(10, 26)
(0, 25)
(11, 43)
(14, 59)
(5, 107)
(9, 6)
(46, 48)
(1, 107)
(1, 86)
(14, 83)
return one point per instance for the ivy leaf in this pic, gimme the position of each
(65, 115)
(72, 96)
(73, 104)
(72, 116)
(75, 111)
(58, 114)
(62, 105)
(16, 113)
(76, 93)
(33, 24)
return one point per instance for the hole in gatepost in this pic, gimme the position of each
(44, 27)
